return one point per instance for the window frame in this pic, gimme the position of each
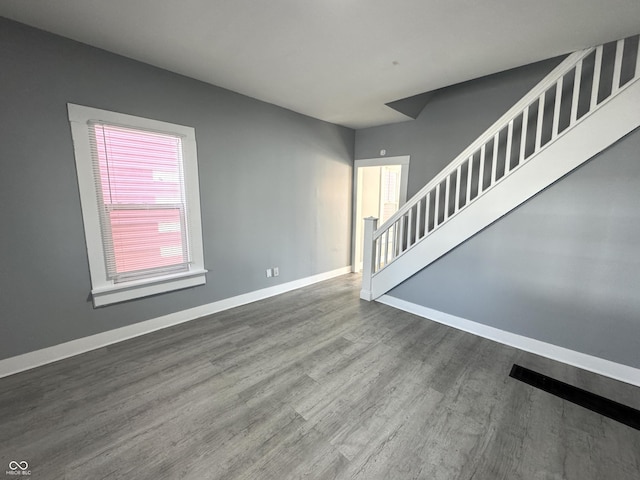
(103, 290)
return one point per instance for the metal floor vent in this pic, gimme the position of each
(613, 410)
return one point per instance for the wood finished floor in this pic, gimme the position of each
(312, 384)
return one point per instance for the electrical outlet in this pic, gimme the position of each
(269, 273)
(276, 271)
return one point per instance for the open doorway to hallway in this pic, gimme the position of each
(380, 188)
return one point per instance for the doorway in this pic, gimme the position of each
(380, 188)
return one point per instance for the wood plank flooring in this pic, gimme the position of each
(312, 384)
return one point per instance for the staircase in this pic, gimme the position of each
(588, 102)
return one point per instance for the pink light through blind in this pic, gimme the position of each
(139, 174)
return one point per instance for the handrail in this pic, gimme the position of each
(546, 83)
(576, 87)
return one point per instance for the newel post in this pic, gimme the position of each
(368, 253)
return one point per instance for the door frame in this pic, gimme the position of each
(402, 160)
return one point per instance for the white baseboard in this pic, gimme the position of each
(26, 361)
(597, 365)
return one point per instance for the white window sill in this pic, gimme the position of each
(121, 292)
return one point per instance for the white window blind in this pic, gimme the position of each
(140, 185)
(138, 181)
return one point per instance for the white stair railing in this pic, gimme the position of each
(576, 88)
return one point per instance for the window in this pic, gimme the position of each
(139, 191)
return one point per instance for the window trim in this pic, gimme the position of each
(103, 290)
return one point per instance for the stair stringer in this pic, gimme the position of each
(615, 117)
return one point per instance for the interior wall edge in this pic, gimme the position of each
(601, 366)
(37, 358)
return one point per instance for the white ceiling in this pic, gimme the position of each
(336, 60)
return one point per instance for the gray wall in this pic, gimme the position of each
(452, 119)
(563, 268)
(275, 187)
